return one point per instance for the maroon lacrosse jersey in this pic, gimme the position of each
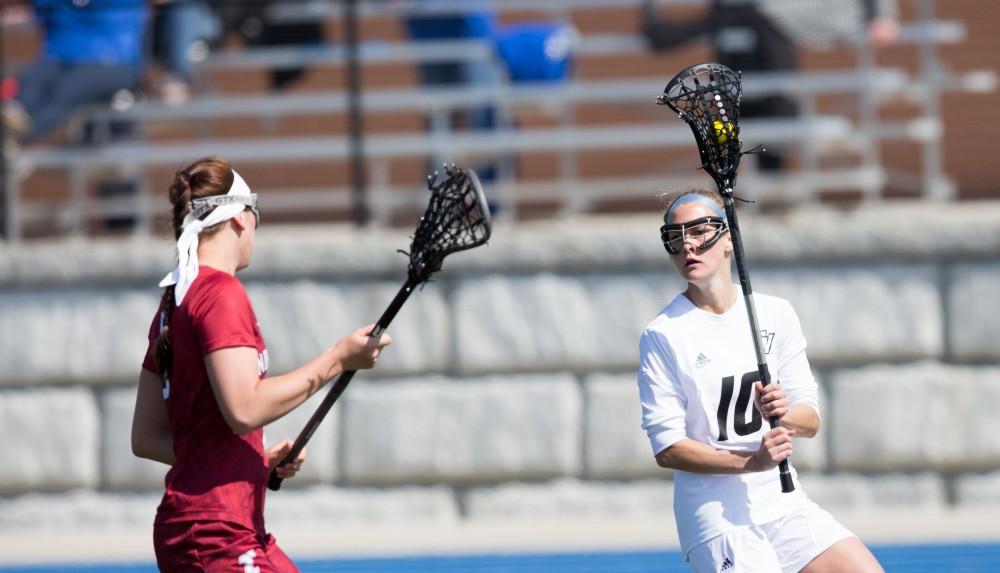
(217, 474)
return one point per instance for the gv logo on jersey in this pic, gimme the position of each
(767, 339)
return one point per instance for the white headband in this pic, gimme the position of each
(224, 207)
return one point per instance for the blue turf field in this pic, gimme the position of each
(953, 558)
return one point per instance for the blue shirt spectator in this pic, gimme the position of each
(91, 50)
(475, 20)
(93, 31)
(471, 24)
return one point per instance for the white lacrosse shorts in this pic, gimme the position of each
(784, 545)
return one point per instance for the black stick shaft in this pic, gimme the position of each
(274, 482)
(784, 469)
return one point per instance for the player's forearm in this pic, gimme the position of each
(697, 457)
(248, 402)
(803, 419)
(282, 394)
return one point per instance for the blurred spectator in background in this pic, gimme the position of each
(528, 52)
(537, 52)
(183, 31)
(761, 36)
(255, 23)
(477, 21)
(91, 49)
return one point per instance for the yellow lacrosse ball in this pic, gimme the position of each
(722, 130)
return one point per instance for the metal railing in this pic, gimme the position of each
(814, 135)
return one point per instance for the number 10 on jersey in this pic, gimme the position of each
(741, 425)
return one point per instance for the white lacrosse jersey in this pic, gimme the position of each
(696, 375)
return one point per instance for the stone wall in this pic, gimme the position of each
(510, 388)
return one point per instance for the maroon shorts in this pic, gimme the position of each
(217, 546)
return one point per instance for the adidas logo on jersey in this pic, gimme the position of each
(702, 360)
(727, 564)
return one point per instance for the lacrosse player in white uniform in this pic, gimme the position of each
(706, 413)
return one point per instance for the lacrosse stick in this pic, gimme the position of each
(707, 98)
(457, 218)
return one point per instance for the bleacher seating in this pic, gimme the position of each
(835, 151)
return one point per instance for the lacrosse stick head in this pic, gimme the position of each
(457, 218)
(707, 98)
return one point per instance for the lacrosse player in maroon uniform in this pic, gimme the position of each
(204, 395)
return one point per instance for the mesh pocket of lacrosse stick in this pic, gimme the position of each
(457, 218)
(707, 98)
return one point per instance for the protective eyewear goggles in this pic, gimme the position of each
(201, 206)
(702, 233)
